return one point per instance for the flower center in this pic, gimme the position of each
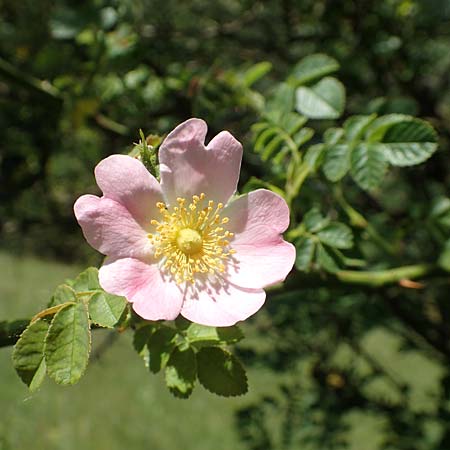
(190, 239)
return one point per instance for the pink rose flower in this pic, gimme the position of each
(184, 245)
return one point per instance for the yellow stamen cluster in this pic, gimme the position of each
(190, 238)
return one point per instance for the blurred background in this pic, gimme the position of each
(330, 367)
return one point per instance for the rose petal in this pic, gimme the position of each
(109, 227)
(189, 168)
(260, 265)
(127, 181)
(256, 208)
(153, 296)
(221, 305)
(262, 257)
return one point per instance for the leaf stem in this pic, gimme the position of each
(359, 221)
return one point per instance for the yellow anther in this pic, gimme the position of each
(189, 240)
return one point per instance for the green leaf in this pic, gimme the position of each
(51, 311)
(440, 212)
(28, 354)
(355, 126)
(324, 100)
(67, 23)
(87, 280)
(63, 294)
(406, 140)
(220, 372)
(313, 67)
(280, 133)
(336, 162)
(409, 143)
(282, 100)
(327, 259)
(378, 128)
(337, 235)
(333, 135)
(68, 343)
(181, 372)
(368, 165)
(264, 137)
(305, 252)
(140, 340)
(444, 258)
(204, 335)
(160, 345)
(268, 149)
(314, 156)
(314, 221)
(256, 72)
(106, 309)
(304, 135)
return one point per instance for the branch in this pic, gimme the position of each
(370, 278)
(16, 76)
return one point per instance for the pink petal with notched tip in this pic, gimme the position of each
(110, 228)
(126, 180)
(221, 305)
(154, 297)
(262, 257)
(189, 168)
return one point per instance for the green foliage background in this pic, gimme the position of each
(78, 80)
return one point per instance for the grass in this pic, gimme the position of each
(118, 404)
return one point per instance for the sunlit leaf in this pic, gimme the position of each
(324, 100)
(68, 344)
(313, 67)
(406, 140)
(106, 309)
(204, 335)
(368, 165)
(336, 161)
